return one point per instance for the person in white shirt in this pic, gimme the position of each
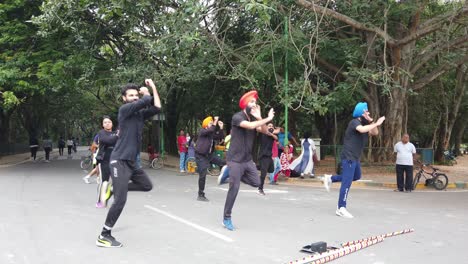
(405, 152)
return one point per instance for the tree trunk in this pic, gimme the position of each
(460, 131)
(451, 106)
(4, 126)
(441, 139)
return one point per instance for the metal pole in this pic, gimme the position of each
(162, 133)
(286, 91)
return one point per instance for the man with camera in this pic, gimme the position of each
(265, 154)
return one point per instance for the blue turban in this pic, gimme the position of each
(359, 109)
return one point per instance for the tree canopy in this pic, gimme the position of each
(62, 63)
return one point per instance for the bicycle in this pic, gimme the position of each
(158, 161)
(214, 170)
(87, 161)
(434, 178)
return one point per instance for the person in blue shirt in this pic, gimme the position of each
(281, 136)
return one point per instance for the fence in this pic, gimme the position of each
(9, 149)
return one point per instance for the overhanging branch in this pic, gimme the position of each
(437, 73)
(442, 46)
(345, 19)
(433, 24)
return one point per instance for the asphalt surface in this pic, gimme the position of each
(48, 216)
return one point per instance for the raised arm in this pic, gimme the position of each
(157, 101)
(259, 124)
(372, 129)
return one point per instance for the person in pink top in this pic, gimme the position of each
(182, 147)
(285, 161)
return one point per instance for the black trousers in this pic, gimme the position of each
(33, 152)
(402, 182)
(69, 150)
(61, 151)
(203, 162)
(245, 172)
(104, 169)
(123, 171)
(47, 153)
(266, 166)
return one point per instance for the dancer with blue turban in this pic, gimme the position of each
(356, 137)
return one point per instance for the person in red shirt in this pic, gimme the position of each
(182, 147)
(151, 153)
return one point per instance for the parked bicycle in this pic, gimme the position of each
(433, 178)
(87, 161)
(158, 161)
(213, 170)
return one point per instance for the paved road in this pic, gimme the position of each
(48, 216)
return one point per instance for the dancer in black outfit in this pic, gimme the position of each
(122, 163)
(107, 140)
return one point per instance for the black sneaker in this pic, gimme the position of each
(202, 198)
(107, 241)
(260, 192)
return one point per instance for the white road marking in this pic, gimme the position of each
(198, 227)
(267, 191)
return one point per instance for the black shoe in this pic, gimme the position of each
(260, 192)
(397, 190)
(202, 198)
(107, 241)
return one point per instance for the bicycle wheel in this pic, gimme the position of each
(416, 180)
(440, 181)
(86, 163)
(157, 163)
(214, 170)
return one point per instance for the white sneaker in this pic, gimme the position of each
(182, 171)
(343, 213)
(86, 179)
(327, 182)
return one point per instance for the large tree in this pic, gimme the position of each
(397, 36)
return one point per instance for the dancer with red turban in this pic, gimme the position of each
(245, 124)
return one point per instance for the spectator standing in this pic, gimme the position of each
(405, 152)
(182, 147)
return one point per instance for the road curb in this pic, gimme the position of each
(388, 185)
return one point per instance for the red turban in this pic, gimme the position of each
(246, 98)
